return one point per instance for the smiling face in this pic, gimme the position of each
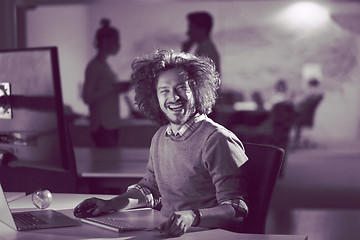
(175, 97)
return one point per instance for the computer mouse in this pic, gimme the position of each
(84, 210)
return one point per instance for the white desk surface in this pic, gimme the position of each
(66, 202)
(61, 201)
(108, 163)
(11, 196)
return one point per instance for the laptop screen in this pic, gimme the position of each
(5, 214)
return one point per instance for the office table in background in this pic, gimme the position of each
(231, 117)
(66, 202)
(111, 162)
(101, 169)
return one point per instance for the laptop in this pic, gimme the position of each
(32, 220)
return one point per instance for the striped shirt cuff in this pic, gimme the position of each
(149, 197)
(241, 209)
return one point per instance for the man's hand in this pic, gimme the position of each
(178, 223)
(103, 206)
(93, 207)
(122, 86)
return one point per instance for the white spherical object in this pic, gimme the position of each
(42, 198)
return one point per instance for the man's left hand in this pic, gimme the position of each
(178, 223)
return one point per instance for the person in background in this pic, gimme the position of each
(306, 105)
(311, 90)
(199, 33)
(101, 88)
(258, 99)
(200, 24)
(195, 170)
(281, 94)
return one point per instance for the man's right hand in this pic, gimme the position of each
(92, 207)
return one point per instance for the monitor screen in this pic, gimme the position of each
(32, 125)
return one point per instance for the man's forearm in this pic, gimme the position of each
(216, 217)
(130, 199)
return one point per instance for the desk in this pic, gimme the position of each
(132, 133)
(111, 162)
(231, 118)
(101, 170)
(11, 196)
(325, 223)
(66, 202)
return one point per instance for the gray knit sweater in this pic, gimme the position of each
(196, 170)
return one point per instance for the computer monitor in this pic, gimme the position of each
(33, 130)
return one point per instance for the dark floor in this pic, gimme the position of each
(319, 194)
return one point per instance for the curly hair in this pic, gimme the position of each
(203, 79)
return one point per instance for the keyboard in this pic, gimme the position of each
(113, 224)
(27, 219)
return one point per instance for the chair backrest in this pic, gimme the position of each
(282, 118)
(307, 110)
(262, 170)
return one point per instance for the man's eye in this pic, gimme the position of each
(182, 87)
(164, 91)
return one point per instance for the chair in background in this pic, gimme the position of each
(262, 171)
(305, 116)
(275, 130)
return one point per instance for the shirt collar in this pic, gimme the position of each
(189, 125)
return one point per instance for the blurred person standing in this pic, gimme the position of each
(101, 88)
(199, 33)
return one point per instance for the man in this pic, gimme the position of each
(199, 29)
(192, 173)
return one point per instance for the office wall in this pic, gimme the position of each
(256, 48)
(64, 26)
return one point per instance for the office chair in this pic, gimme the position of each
(306, 115)
(262, 171)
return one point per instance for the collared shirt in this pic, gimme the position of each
(188, 128)
(190, 125)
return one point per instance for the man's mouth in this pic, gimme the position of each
(176, 107)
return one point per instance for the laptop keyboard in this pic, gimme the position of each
(27, 219)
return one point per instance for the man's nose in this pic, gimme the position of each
(174, 95)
